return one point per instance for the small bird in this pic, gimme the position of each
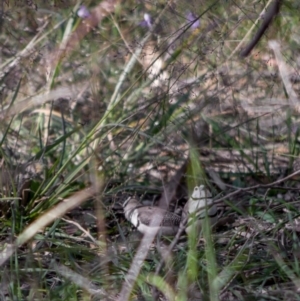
(197, 207)
(143, 218)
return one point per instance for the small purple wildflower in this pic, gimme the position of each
(192, 18)
(83, 12)
(148, 21)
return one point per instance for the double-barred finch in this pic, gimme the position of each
(144, 218)
(199, 205)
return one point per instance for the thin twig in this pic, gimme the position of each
(256, 187)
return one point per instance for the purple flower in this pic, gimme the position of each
(83, 12)
(192, 18)
(148, 22)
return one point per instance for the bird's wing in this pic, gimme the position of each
(145, 214)
(171, 219)
(168, 219)
(211, 212)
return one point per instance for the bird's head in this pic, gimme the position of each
(129, 205)
(200, 192)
